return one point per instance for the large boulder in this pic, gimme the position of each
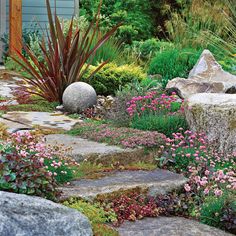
(207, 76)
(33, 216)
(78, 97)
(214, 114)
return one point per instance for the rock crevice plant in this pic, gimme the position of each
(66, 57)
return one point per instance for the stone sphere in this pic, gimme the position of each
(78, 97)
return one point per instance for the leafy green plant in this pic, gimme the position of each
(173, 63)
(64, 57)
(111, 77)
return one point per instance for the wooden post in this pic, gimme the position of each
(15, 21)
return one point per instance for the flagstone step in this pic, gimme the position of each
(56, 120)
(83, 149)
(168, 226)
(155, 182)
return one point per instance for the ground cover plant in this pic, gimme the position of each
(125, 137)
(157, 112)
(96, 214)
(28, 166)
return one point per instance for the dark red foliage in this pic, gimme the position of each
(133, 206)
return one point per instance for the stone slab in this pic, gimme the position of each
(14, 126)
(83, 149)
(42, 119)
(7, 87)
(156, 182)
(168, 226)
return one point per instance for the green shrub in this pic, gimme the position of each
(151, 47)
(173, 63)
(163, 123)
(111, 77)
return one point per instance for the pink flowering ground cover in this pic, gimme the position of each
(154, 103)
(157, 112)
(209, 171)
(122, 136)
(28, 166)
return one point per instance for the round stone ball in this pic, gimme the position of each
(79, 96)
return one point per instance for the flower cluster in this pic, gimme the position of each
(152, 103)
(209, 171)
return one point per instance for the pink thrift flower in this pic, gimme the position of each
(187, 187)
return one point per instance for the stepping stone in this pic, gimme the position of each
(42, 119)
(7, 87)
(82, 149)
(155, 182)
(13, 126)
(168, 226)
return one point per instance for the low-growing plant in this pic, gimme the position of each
(131, 206)
(96, 215)
(28, 166)
(162, 123)
(64, 56)
(125, 137)
(118, 114)
(157, 112)
(22, 168)
(209, 171)
(212, 211)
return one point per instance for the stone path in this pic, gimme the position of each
(42, 119)
(97, 152)
(7, 87)
(168, 226)
(155, 182)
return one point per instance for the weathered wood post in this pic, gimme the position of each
(15, 21)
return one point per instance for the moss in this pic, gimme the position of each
(40, 106)
(232, 124)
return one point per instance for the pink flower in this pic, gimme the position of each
(218, 192)
(206, 191)
(187, 187)
(23, 153)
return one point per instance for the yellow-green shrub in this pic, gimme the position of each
(111, 77)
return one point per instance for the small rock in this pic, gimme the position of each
(207, 76)
(30, 216)
(78, 97)
(215, 115)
